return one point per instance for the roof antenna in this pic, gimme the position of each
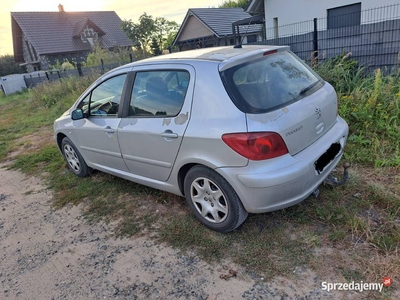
(245, 34)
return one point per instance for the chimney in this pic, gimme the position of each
(60, 8)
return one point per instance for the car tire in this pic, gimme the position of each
(213, 200)
(74, 159)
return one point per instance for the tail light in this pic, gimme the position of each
(256, 145)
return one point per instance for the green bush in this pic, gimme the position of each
(342, 72)
(50, 93)
(117, 55)
(9, 66)
(371, 106)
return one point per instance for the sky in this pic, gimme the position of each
(174, 10)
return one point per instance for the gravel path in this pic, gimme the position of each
(56, 254)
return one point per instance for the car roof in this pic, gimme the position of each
(226, 57)
(226, 54)
(214, 53)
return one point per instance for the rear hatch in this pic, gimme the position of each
(279, 93)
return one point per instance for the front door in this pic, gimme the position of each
(98, 132)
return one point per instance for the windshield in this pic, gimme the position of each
(269, 83)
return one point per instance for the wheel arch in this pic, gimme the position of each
(182, 174)
(60, 137)
(183, 170)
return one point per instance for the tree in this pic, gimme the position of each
(140, 33)
(234, 3)
(148, 32)
(165, 31)
(155, 47)
(8, 66)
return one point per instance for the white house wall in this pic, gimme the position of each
(294, 11)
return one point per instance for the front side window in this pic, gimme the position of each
(104, 100)
(269, 83)
(158, 93)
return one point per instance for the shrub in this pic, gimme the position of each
(371, 106)
(342, 72)
(50, 93)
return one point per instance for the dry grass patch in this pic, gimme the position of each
(32, 142)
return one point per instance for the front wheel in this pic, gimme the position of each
(73, 158)
(213, 200)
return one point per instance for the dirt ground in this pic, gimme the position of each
(56, 254)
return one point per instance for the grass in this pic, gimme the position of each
(350, 232)
(371, 105)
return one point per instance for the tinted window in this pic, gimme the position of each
(158, 93)
(269, 83)
(251, 38)
(104, 100)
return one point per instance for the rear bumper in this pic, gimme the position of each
(284, 181)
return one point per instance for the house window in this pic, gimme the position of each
(276, 31)
(89, 36)
(344, 16)
(251, 38)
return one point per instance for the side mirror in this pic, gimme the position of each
(77, 114)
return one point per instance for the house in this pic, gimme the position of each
(209, 27)
(317, 30)
(43, 39)
(337, 13)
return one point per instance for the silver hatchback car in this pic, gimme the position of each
(234, 130)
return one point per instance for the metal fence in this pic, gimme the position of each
(374, 42)
(34, 78)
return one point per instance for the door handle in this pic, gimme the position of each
(108, 129)
(169, 134)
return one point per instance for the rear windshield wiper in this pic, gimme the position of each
(305, 90)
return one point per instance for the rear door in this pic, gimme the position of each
(159, 111)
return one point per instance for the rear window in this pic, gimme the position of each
(269, 83)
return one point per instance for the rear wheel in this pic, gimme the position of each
(213, 200)
(73, 158)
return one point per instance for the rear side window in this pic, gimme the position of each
(269, 83)
(158, 93)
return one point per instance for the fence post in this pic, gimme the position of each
(102, 65)
(47, 76)
(79, 67)
(131, 58)
(26, 81)
(315, 42)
